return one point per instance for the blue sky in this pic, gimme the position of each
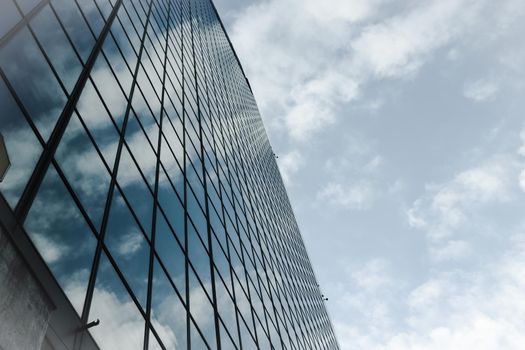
(400, 131)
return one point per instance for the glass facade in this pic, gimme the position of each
(142, 173)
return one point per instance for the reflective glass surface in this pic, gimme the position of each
(143, 175)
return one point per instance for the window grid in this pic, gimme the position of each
(181, 117)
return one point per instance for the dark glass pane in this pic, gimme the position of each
(22, 146)
(128, 247)
(110, 90)
(90, 11)
(121, 324)
(84, 169)
(57, 47)
(202, 311)
(168, 315)
(171, 254)
(141, 148)
(99, 123)
(28, 72)
(197, 342)
(62, 237)
(135, 190)
(76, 27)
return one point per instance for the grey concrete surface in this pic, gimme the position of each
(24, 308)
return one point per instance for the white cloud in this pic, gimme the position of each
(480, 90)
(446, 206)
(318, 56)
(130, 243)
(357, 196)
(450, 250)
(521, 150)
(373, 275)
(522, 180)
(456, 310)
(51, 250)
(289, 164)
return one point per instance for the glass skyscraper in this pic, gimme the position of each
(142, 206)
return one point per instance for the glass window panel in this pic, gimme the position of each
(95, 20)
(22, 146)
(199, 258)
(226, 341)
(62, 237)
(150, 94)
(135, 190)
(196, 340)
(171, 204)
(141, 149)
(105, 7)
(84, 169)
(128, 247)
(197, 215)
(99, 123)
(75, 25)
(58, 49)
(168, 315)
(129, 43)
(31, 77)
(171, 254)
(9, 17)
(153, 343)
(247, 341)
(172, 152)
(128, 9)
(143, 113)
(202, 311)
(119, 65)
(121, 324)
(109, 90)
(226, 309)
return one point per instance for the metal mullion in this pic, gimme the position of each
(175, 74)
(203, 338)
(173, 154)
(255, 266)
(124, 282)
(75, 196)
(67, 34)
(46, 57)
(206, 204)
(132, 2)
(155, 204)
(95, 37)
(228, 253)
(168, 276)
(147, 75)
(241, 287)
(185, 200)
(227, 332)
(6, 38)
(154, 68)
(45, 159)
(242, 255)
(125, 31)
(174, 87)
(100, 245)
(22, 109)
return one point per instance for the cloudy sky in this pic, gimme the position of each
(400, 131)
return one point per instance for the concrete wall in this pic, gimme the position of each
(24, 307)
